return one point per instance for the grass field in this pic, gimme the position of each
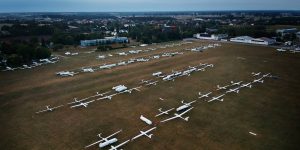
(271, 109)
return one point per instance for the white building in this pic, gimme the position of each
(106, 40)
(219, 36)
(206, 36)
(242, 39)
(203, 36)
(263, 41)
(250, 40)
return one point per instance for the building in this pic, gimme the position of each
(106, 40)
(211, 30)
(206, 36)
(203, 36)
(242, 39)
(219, 36)
(250, 40)
(263, 41)
(298, 34)
(283, 32)
(167, 28)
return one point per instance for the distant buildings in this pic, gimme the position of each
(219, 36)
(263, 41)
(298, 34)
(250, 40)
(211, 30)
(283, 32)
(167, 28)
(106, 40)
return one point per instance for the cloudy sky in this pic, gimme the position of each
(143, 5)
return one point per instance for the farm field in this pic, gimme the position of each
(269, 109)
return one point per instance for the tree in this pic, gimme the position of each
(56, 47)
(42, 53)
(14, 60)
(27, 52)
(34, 41)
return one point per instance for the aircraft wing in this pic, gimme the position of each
(116, 147)
(94, 143)
(150, 130)
(89, 102)
(57, 106)
(103, 139)
(174, 117)
(143, 133)
(42, 111)
(78, 105)
(164, 112)
(192, 102)
(159, 114)
(216, 98)
(136, 88)
(77, 101)
(213, 99)
(114, 134)
(107, 97)
(186, 111)
(152, 83)
(103, 93)
(104, 97)
(82, 104)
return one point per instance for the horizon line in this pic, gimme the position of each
(150, 11)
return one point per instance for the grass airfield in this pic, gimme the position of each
(271, 109)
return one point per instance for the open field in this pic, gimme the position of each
(271, 109)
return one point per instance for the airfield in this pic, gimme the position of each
(269, 109)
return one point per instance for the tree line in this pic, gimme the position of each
(17, 53)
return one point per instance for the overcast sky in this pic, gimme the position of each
(143, 5)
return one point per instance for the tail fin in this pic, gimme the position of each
(186, 119)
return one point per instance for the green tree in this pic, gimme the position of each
(56, 47)
(42, 53)
(14, 60)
